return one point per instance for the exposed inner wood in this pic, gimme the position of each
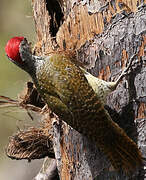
(79, 24)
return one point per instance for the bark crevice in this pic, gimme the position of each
(56, 14)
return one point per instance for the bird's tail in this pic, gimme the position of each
(122, 151)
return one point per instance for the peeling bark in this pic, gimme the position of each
(104, 34)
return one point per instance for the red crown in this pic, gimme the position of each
(12, 49)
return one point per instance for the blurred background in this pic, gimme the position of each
(15, 20)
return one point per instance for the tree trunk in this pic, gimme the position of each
(104, 34)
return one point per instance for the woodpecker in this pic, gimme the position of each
(77, 98)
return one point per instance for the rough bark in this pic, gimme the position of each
(104, 34)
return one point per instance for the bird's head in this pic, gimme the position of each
(12, 50)
(19, 52)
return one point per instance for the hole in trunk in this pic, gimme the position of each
(56, 14)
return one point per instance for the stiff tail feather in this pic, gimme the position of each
(124, 153)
